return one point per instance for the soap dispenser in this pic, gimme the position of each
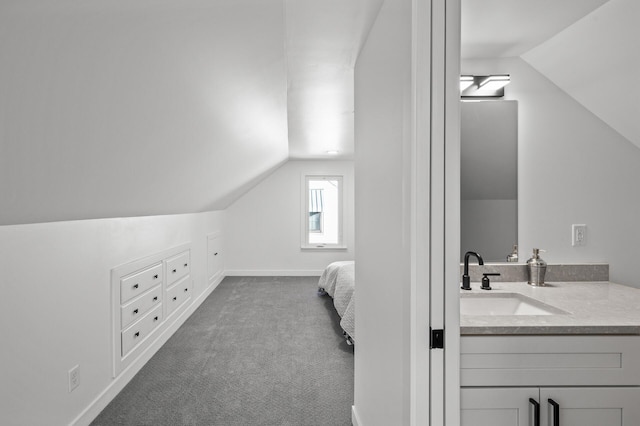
(536, 267)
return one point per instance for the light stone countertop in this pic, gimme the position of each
(593, 308)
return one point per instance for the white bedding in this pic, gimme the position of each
(338, 281)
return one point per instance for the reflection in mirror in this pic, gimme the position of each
(489, 178)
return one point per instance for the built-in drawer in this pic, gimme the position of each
(177, 267)
(556, 360)
(139, 306)
(178, 294)
(137, 283)
(139, 330)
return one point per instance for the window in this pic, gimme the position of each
(322, 212)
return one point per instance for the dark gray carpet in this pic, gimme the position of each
(258, 351)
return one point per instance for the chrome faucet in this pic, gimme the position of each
(466, 281)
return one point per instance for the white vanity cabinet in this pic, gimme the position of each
(581, 406)
(573, 380)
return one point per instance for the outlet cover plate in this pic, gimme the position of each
(578, 235)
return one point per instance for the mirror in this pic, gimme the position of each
(489, 178)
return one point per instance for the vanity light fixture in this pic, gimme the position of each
(495, 82)
(483, 86)
(465, 82)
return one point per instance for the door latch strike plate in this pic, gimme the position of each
(437, 339)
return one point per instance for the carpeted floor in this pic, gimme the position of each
(258, 351)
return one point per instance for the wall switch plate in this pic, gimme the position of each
(74, 378)
(578, 235)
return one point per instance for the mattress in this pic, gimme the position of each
(338, 281)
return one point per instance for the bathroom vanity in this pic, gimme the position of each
(567, 353)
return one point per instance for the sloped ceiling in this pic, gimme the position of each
(596, 61)
(143, 107)
(586, 47)
(323, 41)
(509, 28)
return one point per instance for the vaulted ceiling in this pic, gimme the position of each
(142, 107)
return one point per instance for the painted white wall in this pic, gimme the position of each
(131, 108)
(573, 168)
(55, 309)
(383, 136)
(264, 225)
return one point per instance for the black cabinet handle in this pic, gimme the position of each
(155, 299)
(215, 254)
(536, 411)
(136, 286)
(155, 277)
(556, 412)
(186, 264)
(175, 298)
(174, 271)
(155, 318)
(135, 311)
(137, 334)
(186, 289)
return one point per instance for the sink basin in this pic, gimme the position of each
(504, 304)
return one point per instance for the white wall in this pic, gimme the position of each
(55, 308)
(382, 125)
(573, 168)
(264, 225)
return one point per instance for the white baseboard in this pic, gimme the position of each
(355, 420)
(112, 390)
(273, 272)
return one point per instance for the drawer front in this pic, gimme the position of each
(139, 330)
(139, 282)
(178, 294)
(550, 360)
(139, 306)
(177, 267)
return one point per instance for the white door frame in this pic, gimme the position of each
(436, 196)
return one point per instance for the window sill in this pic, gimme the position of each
(312, 247)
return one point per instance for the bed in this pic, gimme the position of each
(337, 281)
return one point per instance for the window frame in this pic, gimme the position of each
(304, 222)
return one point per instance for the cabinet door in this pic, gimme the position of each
(497, 406)
(592, 406)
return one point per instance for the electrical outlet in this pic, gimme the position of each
(578, 235)
(74, 378)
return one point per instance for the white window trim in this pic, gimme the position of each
(304, 216)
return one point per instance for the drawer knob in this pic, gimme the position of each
(137, 334)
(155, 277)
(186, 289)
(155, 318)
(136, 286)
(175, 298)
(155, 299)
(215, 254)
(186, 264)
(135, 311)
(174, 271)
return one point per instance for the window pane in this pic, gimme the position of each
(315, 221)
(324, 211)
